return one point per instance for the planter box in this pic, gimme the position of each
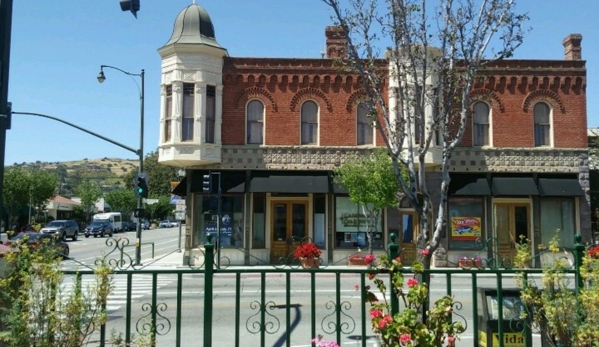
(470, 263)
(310, 263)
(357, 261)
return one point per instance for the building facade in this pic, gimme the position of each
(259, 139)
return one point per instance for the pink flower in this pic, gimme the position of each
(412, 282)
(398, 259)
(386, 320)
(375, 313)
(369, 258)
(405, 338)
(356, 287)
(425, 252)
(450, 339)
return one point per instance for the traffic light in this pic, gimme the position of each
(8, 115)
(206, 183)
(141, 185)
(130, 5)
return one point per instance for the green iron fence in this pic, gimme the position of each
(243, 307)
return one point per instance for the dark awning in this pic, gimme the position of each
(514, 186)
(281, 183)
(181, 188)
(560, 187)
(230, 181)
(469, 185)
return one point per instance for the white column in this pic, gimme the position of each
(199, 107)
(219, 116)
(162, 113)
(177, 111)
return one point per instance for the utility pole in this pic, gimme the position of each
(5, 31)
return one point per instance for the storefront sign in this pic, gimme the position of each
(465, 228)
(509, 339)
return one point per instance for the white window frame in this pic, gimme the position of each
(549, 125)
(475, 123)
(315, 141)
(249, 122)
(362, 127)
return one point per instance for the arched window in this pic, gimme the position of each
(168, 113)
(309, 123)
(542, 115)
(255, 122)
(480, 129)
(365, 129)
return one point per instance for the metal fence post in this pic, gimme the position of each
(578, 254)
(208, 276)
(393, 253)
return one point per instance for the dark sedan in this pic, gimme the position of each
(47, 241)
(129, 226)
(98, 228)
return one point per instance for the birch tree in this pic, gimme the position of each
(419, 94)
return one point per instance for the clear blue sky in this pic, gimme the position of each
(59, 45)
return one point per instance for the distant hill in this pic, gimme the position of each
(109, 173)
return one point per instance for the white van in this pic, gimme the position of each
(113, 217)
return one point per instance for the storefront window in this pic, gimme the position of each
(258, 221)
(558, 214)
(319, 220)
(351, 226)
(465, 223)
(231, 220)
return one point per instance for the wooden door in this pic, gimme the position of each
(512, 225)
(289, 226)
(409, 233)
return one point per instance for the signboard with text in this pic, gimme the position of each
(465, 228)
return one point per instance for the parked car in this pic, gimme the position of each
(97, 227)
(129, 226)
(50, 242)
(145, 224)
(174, 223)
(62, 228)
(164, 224)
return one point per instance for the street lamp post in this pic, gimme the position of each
(140, 152)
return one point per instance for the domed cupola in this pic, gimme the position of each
(191, 92)
(193, 26)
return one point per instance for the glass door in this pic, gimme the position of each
(289, 226)
(512, 225)
(408, 236)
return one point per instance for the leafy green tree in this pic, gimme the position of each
(43, 185)
(26, 188)
(372, 185)
(160, 209)
(16, 192)
(121, 200)
(89, 192)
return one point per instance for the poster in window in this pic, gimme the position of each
(465, 228)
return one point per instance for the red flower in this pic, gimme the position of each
(412, 282)
(369, 258)
(405, 338)
(307, 250)
(371, 275)
(593, 252)
(425, 252)
(375, 313)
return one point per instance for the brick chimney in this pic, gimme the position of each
(572, 46)
(336, 42)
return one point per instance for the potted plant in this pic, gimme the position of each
(356, 259)
(470, 262)
(308, 254)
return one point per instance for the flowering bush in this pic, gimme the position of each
(404, 328)
(320, 342)
(307, 250)
(593, 252)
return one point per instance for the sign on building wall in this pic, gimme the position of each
(465, 228)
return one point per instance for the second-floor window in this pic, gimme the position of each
(210, 113)
(480, 120)
(542, 119)
(187, 116)
(365, 129)
(309, 128)
(255, 122)
(168, 113)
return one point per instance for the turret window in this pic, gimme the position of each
(168, 113)
(210, 113)
(187, 125)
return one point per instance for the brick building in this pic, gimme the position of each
(268, 132)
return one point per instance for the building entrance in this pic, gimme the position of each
(289, 226)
